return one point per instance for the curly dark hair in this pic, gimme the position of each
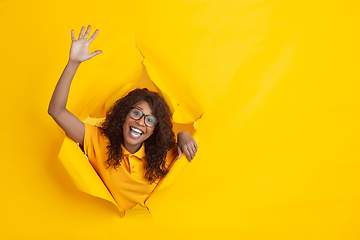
(156, 146)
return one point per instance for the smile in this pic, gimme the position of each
(136, 132)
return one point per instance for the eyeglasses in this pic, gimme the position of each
(137, 114)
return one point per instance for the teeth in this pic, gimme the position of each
(135, 134)
(136, 130)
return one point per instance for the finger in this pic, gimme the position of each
(81, 32)
(192, 153)
(72, 35)
(194, 148)
(179, 152)
(94, 35)
(87, 32)
(187, 153)
(95, 53)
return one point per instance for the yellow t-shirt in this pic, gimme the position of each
(126, 183)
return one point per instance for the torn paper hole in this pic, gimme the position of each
(82, 172)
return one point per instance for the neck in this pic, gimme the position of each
(132, 149)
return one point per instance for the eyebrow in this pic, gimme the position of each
(143, 110)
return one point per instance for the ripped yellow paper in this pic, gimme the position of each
(282, 164)
(76, 163)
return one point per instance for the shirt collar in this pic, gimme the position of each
(139, 154)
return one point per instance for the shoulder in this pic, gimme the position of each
(93, 130)
(94, 137)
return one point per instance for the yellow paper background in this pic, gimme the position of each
(278, 82)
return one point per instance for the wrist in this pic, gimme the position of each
(73, 63)
(181, 133)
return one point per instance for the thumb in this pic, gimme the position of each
(179, 152)
(95, 53)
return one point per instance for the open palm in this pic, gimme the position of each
(79, 50)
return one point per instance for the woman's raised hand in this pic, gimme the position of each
(79, 51)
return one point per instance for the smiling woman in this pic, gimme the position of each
(136, 137)
(139, 130)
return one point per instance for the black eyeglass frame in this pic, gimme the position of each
(142, 115)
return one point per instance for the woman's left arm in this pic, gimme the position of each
(187, 144)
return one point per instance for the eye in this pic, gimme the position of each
(151, 119)
(137, 113)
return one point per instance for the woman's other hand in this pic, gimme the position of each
(79, 51)
(187, 144)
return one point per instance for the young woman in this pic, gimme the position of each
(134, 147)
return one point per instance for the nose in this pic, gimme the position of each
(141, 121)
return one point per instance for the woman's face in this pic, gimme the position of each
(135, 131)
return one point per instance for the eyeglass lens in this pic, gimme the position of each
(149, 120)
